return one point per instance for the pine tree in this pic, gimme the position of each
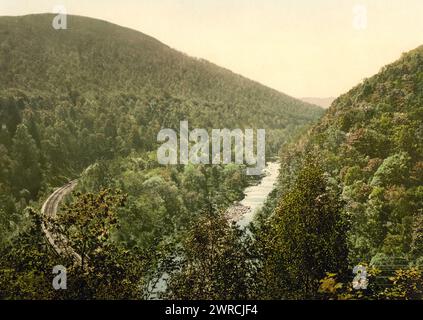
(306, 237)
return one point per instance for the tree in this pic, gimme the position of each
(393, 171)
(215, 262)
(305, 238)
(89, 222)
(404, 284)
(26, 170)
(106, 270)
(26, 264)
(6, 164)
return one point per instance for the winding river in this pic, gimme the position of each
(255, 196)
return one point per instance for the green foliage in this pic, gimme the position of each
(370, 144)
(405, 284)
(331, 288)
(215, 262)
(26, 170)
(89, 222)
(305, 238)
(163, 201)
(108, 271)
(394, 170)
(26, 264)
(98, 92)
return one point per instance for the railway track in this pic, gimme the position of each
(49, 210)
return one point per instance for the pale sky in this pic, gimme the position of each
(305, 48)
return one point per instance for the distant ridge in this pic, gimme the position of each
(95, 55)
(321, 102)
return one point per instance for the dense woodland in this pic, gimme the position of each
(88, 103)
(369, 147)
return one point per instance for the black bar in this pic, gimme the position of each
(211, 309)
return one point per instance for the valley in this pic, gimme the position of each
(99, 173)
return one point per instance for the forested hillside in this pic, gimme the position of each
(373, 139)
(369, 147)
(88, 102)
(96, 90)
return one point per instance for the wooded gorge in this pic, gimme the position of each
(87, 103)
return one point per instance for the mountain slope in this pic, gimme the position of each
(99, 91)
(380, 158)
(370, 143)
(94, 57)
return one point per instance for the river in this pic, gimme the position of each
(255, 196)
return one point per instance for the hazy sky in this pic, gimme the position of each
(304, 48)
